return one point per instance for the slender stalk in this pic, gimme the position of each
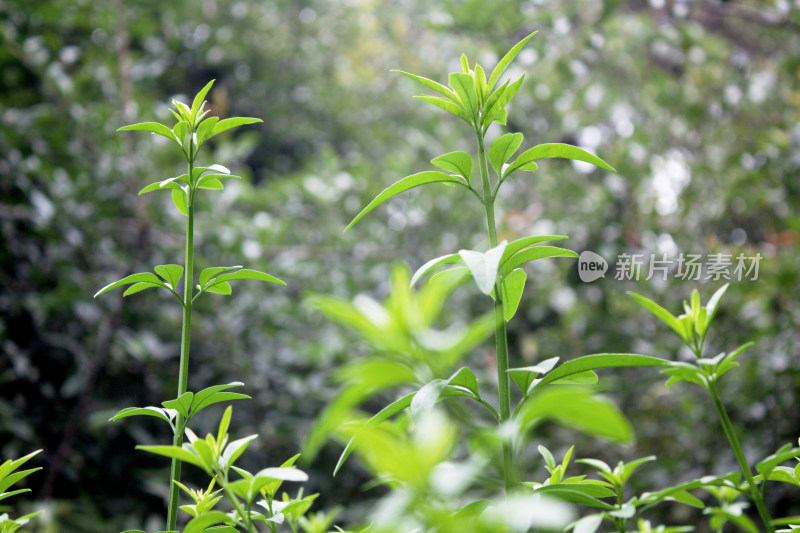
(186, 329)
(727, 426)
(251, 528)
(501, 341)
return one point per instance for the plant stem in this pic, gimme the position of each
(251, 528)
(727, 426)
(501, 341)
(183, 373)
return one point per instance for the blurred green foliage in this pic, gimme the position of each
(696, 104)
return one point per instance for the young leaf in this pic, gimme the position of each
(451, 106)
(246, 273)
(141, 411)
(525, 376)
(159, 185)
(502, 149)
(497, 111)
(235, 449)
(448, 259)
(152, 127)
(465, 378)
(567, 151)
(525, 242)
(532, 254)
(661, 313)
(711, 307)
(198, 100)
(430, 84)
(483, 266)
(219, 287)
(457, 162)
(480, 83)
(209, 273)
(409, 182)
(228, 123)
(206, 397)
(175, 452)
(501, 67)
(180, 201)
(171, 273)
(143, 286)
(464, 87)
(181, 404)
(598, 361)
(133, 278)
(513, 285)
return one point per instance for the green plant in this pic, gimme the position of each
(9, 475)
(497, 271)
(190, 133)
(693, 327)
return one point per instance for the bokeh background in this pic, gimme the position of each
(695, 103)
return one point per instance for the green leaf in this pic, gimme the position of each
(180, 201)
(143, 286)
(786, 453)
(525, 242)
(525, 376)
(206, 520)
(198, 100)
(448, 259)
(228, 123)
(712, 306)
(661, 313)
(464, 87)
(9, 480)
(587, 377)
(141, 411)
(205, 397)
(680, 371)
(235, 449)
(588, 524)
(464, 64)
(532, 254)
(598, 361)
(497, 112)
(171, 273)
(409, 182)
(211, 183)
(465, 378)
(566, 151)
(181, 404)
(246, 273)
(384, 414)
(575, 493)
(452, 107)
(577, 408)
(209, 273)
(484, 266)
(204, 129)
(152, 127)
(160, 185)
(457, 162)
(480, 83)
(426, 398)
(133, 278)
(502, 149)
(501, 67)
(175, 452)
(513, 285)
(430, 84)
(222, 287)
(630, 468)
